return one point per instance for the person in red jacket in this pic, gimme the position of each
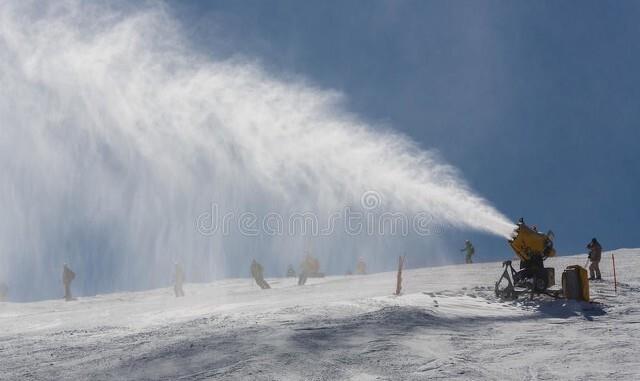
(595, 254)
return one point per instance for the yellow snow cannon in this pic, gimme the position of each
(532, 248)
(528, 243)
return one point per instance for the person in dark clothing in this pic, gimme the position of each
(595, 254)
(258, 275)
(67, 277)
(302, 277)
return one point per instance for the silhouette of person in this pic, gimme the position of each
(67, 277)
(257, 273)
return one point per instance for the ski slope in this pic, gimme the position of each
(447, 324)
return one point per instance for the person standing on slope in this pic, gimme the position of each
(258, 275)
(361, 266)
(177, 286)
(67, 277)
(595, 254)
(468, 248)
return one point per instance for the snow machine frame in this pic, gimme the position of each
(533, 278)
(508, 274)
(523, 282)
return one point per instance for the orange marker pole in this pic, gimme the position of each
(615, 280)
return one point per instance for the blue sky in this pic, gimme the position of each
(537, 103)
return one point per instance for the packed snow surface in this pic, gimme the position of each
(447, 324)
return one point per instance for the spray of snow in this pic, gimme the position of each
(114, 137)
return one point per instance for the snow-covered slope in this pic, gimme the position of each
(447, 324)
